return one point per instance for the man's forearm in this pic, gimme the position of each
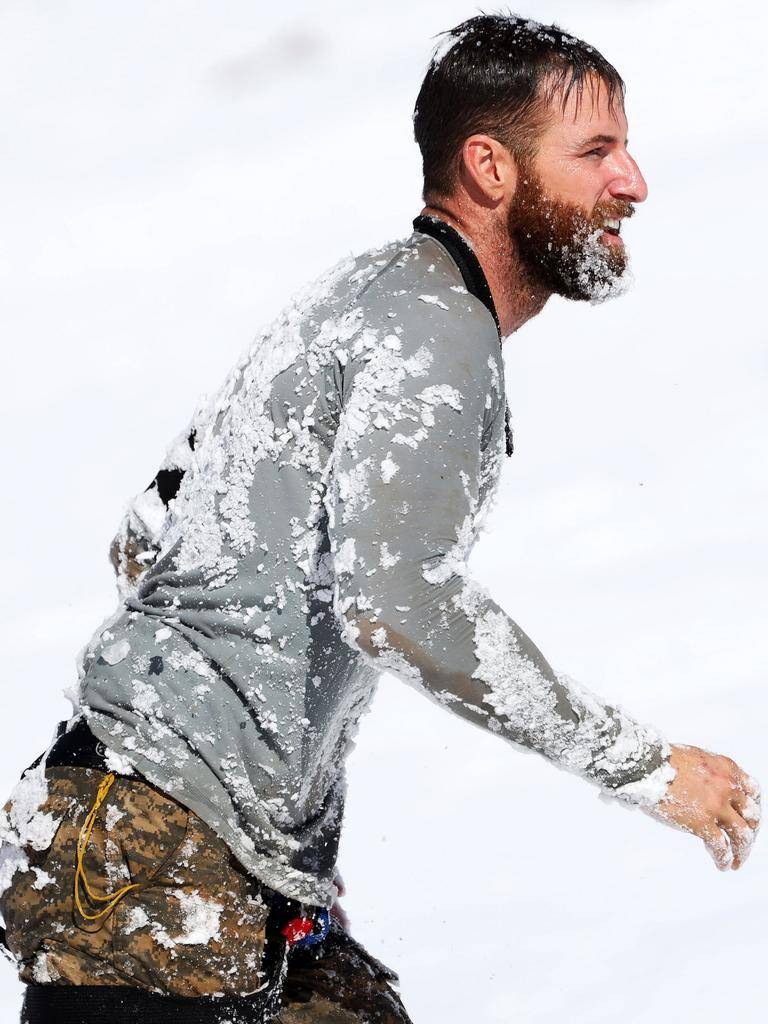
(462, 649)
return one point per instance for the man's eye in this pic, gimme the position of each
(599, 151)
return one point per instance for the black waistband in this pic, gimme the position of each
(78, 747)
(124, 1004)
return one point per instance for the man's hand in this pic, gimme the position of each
(714, 799)
(337, 910)
(130, 555)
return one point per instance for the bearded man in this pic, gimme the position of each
(308, 530)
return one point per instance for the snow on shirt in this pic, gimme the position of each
(322, 509)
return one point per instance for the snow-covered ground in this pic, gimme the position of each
(170, 174)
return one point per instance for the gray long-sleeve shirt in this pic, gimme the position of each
(307, 531)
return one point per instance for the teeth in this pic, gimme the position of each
(615, 224)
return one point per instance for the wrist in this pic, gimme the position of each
(651, 788)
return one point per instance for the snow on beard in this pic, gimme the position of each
(561, 247)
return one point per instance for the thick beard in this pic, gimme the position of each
(560, 247)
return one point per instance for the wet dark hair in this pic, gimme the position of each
(496, 74)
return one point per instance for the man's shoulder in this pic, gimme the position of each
(413, 307)
(409, 287)
(415, 283)
(412, 281)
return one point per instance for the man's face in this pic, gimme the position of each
(581, 182)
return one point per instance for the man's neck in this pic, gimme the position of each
(516, 297)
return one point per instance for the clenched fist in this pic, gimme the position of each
(714, 799)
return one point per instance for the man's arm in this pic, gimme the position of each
(403, 502)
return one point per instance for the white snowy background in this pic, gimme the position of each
(171, 172)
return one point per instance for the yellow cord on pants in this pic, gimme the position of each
(112, 899)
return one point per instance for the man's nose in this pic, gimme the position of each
(628, 182)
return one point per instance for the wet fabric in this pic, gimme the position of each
(199, 934)
(325, 502)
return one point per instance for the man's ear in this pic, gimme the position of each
(488, 170)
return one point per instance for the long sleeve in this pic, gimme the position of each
(415, 460)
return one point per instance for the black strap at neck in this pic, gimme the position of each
(476, 282)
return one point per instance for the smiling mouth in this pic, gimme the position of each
(611, 232)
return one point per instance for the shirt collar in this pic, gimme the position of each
(474, 277)
(463, 256)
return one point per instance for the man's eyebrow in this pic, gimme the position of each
(600, 138)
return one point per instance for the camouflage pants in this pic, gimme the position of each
(195, 926)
